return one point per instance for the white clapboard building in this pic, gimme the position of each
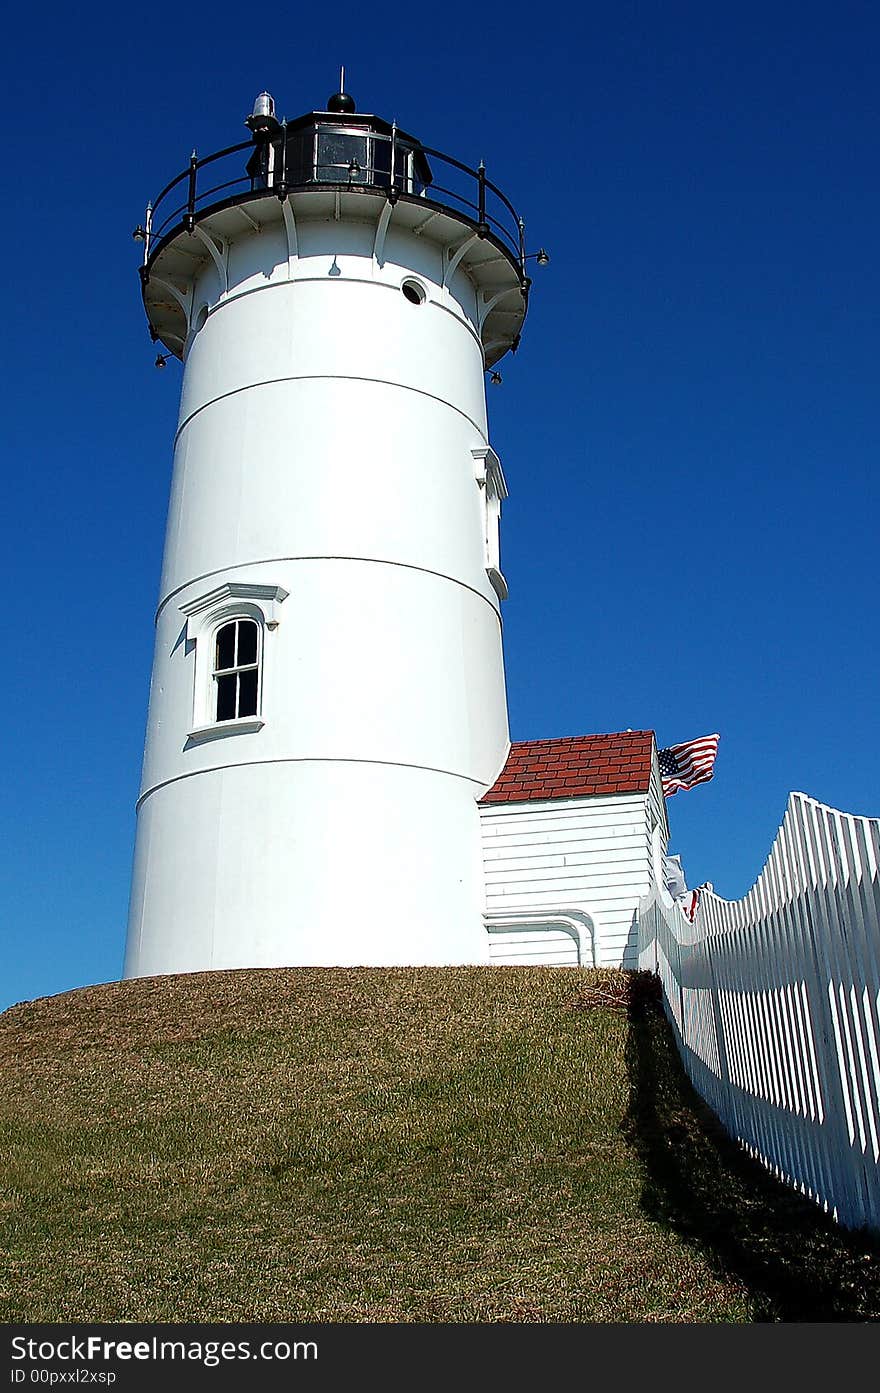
(573, 836)
(328, 714)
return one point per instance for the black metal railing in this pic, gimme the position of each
(389, 165)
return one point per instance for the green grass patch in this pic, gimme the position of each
(502, 1144)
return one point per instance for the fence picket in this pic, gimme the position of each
(774, 1000)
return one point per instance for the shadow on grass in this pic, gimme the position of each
(796, 1262)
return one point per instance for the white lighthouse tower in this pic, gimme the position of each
(327, 701)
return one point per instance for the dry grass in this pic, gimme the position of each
(345, 1145)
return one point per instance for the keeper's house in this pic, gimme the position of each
(573, 833)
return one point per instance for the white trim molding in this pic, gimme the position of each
(205, 609)
(242, 726)
(487, 469)
(574, 922)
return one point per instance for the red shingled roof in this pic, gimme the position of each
(576, 767)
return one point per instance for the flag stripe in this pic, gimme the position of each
(688, 764)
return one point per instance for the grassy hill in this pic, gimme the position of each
(514, 1144)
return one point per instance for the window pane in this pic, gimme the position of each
(342, 158)
(247, 643)
(247, 693)
(225, 648)
(300, 157)
(226, 698)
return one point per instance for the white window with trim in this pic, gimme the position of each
(229, 629)
(493, 490)
(236, 689)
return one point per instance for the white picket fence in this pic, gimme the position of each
(775, 1003)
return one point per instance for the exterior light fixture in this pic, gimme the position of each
(262, 120)
(543, 258)
(162, 359)
(496, 379)
(140, 234)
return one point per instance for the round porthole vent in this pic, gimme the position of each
(414, 291)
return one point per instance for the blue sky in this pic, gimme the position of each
(689, 429)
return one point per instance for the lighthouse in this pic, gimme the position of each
(327, 702)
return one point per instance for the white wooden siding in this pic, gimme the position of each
(592, 855)
(536, 947)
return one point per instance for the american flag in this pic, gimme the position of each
(688, 904)
(683, 766)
